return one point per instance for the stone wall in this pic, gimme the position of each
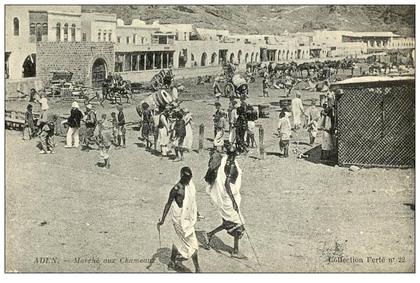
(75, 57)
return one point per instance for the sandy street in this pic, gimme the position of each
(65, 214)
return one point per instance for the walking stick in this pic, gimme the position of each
(249, 240)
(160, 243)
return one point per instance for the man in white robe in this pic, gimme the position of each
(225, 193)
(183, 205)
(297, 111)
(312, 114)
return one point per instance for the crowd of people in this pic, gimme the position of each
(97, 133)
(168, 130)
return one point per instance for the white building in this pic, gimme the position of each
(99, 27)
(27, 25)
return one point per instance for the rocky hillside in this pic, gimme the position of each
(273, 19)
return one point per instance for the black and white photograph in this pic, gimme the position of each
(209, 138)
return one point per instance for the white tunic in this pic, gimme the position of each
(184, 220)
(220, 197)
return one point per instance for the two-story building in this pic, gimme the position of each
(27, 25)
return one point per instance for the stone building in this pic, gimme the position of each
(89, 62)
(25, 26)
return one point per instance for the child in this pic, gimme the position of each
(114, 127)
(147, 125)
(29, 130)
(105, 138)
(47, 136)
(312, 115)
(250, 134)
(216, 116)
(179, 136)
(121, 126)
(285, 130)
(220, 131)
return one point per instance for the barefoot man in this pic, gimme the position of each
(184, 216)
(224, 191)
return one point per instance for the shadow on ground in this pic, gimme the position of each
(163, 257)
(314, 156)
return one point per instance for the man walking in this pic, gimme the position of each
(241, 126)
(297, 111)
(183, 204)
(284, 131)
(90, 123)
(216, 117)
(74, 125)
(312, 114)
(224, 189)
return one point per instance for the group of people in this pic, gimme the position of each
(171, 128)
(315, 120)
(42, 126)
(102, 132)
(239, 120)
(114, 87)
(224, 183)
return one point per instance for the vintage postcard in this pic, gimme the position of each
(209, 138)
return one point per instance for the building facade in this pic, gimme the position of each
(27, 25)
(140, 49)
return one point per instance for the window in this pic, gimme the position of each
(104, 36)
(45, 29)
(32, 29)
(99, 35)
(84, 36)
(110, 36)
(73, 32)
(128, 39)
(134, 39)
(38, 32)
(66, 32)
(58, 32)
(15, 26)
(142, 40)
(119, 39)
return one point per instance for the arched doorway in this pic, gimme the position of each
(204, 59)
(182, 58)
(239, 56)
(98, 72)
(252, 57)
(29, 66)
(213, 59)
(232, 57)
(256, 57)
(246, 58)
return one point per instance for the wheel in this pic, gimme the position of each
(229, 90)
(157, 82)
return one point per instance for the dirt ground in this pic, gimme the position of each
(66, 214)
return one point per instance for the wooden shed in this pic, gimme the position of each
(375, 121)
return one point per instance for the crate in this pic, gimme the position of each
(375, 122)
